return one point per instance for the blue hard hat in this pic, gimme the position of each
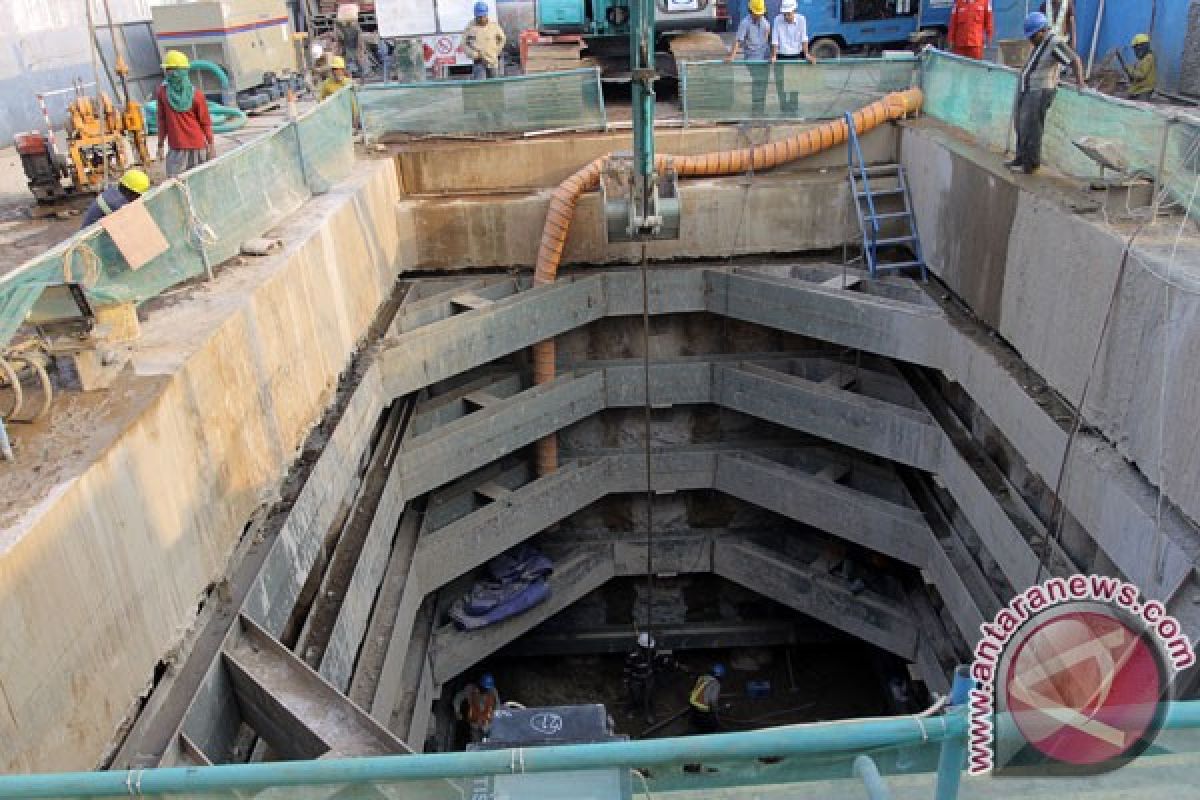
(481, 9)
(718, 670)
(487, 681)
(1036, 21)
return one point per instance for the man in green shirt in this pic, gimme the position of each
(1144, 75)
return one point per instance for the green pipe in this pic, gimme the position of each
(212, 69)
(820, 738)
(868, 772)
(225, 119)
(852, 736)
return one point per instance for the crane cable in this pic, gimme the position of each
(647, 700)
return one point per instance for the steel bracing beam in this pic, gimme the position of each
(474, 322)
(299, 714)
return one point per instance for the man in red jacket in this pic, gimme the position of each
(183, 119)
(971, 27)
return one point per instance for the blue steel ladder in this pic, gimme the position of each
(869, 217)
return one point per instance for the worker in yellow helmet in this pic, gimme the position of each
(1144, 75)
(753, 40)
(338, 79)
(184, 123)
(132, 186)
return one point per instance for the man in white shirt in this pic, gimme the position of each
(789, 42)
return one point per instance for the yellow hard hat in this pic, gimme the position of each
(758, 7)
(1140, 38)
(337, 62)
(135, 181)
(175, 60)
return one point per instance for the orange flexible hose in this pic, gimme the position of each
(725, 162)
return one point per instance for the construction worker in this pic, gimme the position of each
(1037, 83)
(349, 34)
(338, 78)
(705, 699)
(477, 705)
(753, 40)
(972, 27)
(132, 186)
(642, 663)
(483, 42)
(1144, 76)
(183, 119)
(789, 42)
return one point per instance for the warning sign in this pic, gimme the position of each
(443, 50)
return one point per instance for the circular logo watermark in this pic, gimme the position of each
(1072, 677)
(1085, 688)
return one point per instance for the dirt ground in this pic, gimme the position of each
(823, 682)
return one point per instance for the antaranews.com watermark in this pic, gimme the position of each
(1083, 666)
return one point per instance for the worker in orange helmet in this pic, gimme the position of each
(972, 26)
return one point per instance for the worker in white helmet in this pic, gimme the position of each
(789, 42)
(641, 665)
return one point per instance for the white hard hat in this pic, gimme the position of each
(787, 5)
(645, 640)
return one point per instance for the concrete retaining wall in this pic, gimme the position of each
(1043, 275)
(102, 576)
(722, 217)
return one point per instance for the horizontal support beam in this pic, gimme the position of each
(612, 639)
(463, 342)
(855, 516)
(826, 410)
(877, 620)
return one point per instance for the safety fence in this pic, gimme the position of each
(205, 216)
(570, 100)
(980, 98)
(718, 91)
(913, 756)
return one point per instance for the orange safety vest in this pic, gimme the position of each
(481, 706)
(697, 696)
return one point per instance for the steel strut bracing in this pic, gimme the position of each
(725, 162)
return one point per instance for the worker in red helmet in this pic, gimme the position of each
(972, 27)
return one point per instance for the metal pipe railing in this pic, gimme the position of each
(830, 738)
(817, 739)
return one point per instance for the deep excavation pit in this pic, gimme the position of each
(843, 478)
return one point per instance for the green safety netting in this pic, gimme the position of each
(570, 100)
(979, 98)
(204, 217)
(718, 91)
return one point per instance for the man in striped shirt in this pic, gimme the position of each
(1038, 81)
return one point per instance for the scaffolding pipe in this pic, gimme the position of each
(726, 162)
(828, 738)
(864, 768)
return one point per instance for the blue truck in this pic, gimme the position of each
(837, 27)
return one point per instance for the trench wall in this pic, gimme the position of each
(102, 576)
(1042, 270)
